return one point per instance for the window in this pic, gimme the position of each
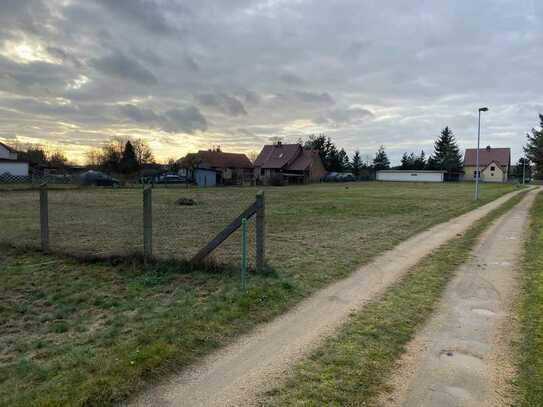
(492, 168)
(262, 171)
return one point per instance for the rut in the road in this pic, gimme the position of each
(462, 356)
(238, 373)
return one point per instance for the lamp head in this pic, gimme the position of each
(483, 109)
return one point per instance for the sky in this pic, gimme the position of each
(192, 74)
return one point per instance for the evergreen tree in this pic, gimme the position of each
(534, 149)
(420, 162)
(446, 155)
(381, 161)
(129, 161)
(344, 163)
(356, 164)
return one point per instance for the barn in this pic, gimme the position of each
(410, 176)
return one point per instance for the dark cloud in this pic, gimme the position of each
(222, 102)
(144, 13)
(120, 66)
(187, 120)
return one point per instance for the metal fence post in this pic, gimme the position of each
(147, 223)
(244, 256)
(44, 218)
(260, 232)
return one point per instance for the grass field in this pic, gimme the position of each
(351, 368)
(77, 333)
(530, 350)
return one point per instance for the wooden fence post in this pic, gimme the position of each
(44, 218)
(147, 223)
(260, 232)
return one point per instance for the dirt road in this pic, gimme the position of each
(462, 356)
(236, 374)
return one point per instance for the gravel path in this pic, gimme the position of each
(236, 374)
(462, 357)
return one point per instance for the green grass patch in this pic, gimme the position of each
(91, 333)
(352, 367)
(529, 382)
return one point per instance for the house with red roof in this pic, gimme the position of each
(216, 167)
(494, 164)
(288, 163)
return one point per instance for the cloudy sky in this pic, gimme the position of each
(190, 74)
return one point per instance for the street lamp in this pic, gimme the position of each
(477, 172)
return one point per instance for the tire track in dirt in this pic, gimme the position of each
(462, 356)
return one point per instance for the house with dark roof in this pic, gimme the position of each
(288, 163)
(216, 167)
(10, 164)
(494, 164)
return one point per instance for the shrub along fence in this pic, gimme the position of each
(154, 223)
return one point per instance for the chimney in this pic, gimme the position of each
(279, 143)
(487, 148)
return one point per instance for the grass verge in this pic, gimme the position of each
(351, 368)
(529, 382)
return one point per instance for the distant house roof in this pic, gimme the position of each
(278, 155)
(11, 150)
(304, 160)
(501, 156)
(220, 159)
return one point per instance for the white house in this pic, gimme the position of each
(9, 162)
(410, 176)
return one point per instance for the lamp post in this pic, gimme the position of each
(477, 171)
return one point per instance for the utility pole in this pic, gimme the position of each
(477, 169)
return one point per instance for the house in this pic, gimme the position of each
(411, 176)
(229, 168)
(10, 163)
(494, 164)
(288, 163)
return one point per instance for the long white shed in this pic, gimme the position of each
(410, 176)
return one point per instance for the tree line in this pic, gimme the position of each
(446, 156)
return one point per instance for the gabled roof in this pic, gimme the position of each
(304, 160)
(11, 150)
(219, 159)
(278, 155)
(487, 155)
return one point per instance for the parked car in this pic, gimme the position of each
(169, 179)
(339, 177)
(99, 179)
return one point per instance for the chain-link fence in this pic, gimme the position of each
(108, 222)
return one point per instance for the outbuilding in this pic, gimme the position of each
(410, 176)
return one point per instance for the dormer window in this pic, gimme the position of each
(492, 168)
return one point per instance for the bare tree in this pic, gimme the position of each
(144, 155)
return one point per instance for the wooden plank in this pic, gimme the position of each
(260, 232)
(223, 235)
